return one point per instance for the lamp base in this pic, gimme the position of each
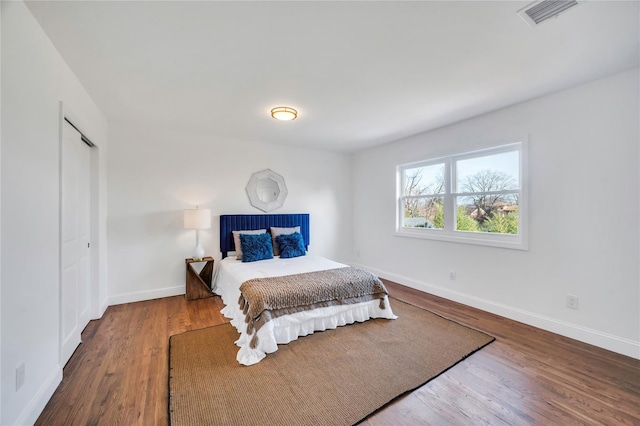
(198, 253)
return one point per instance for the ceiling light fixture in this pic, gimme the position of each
(284, 113)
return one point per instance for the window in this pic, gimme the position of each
(475, 197)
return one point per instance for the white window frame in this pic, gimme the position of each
(449, 233)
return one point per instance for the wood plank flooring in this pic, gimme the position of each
(528, 376)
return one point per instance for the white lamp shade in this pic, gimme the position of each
(197, 219)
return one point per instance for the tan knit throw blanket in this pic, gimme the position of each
(263, 299)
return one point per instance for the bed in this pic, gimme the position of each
(261, 331)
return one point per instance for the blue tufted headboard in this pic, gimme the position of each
(244, 222)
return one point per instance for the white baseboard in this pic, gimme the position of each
(34, 408)
(607, 341)
(103, 306)
(139, 296)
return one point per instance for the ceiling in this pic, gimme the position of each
(359, 73)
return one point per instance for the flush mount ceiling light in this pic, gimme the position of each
(284, 113)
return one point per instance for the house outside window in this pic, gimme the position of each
(474, 197)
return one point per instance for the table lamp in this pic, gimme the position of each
(197, 219)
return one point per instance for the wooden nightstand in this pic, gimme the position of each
(199, 285)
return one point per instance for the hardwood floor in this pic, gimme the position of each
(119, 374)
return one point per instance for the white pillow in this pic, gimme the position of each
(280, 231)
(236, 239)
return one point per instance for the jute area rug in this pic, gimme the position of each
(336, 377)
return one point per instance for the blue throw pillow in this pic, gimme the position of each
(256, 247)
(291, 245)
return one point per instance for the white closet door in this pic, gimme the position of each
(74, 285)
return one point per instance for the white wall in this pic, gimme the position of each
(35, 80)
(584, 229)
(0, 207)
(154, 176)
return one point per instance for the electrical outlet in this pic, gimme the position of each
(20, 371)
(452, 275)
(572, 301)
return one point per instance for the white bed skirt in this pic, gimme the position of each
(287, 328)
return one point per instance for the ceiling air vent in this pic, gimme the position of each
(539, 11)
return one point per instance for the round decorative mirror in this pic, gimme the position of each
(266, 190)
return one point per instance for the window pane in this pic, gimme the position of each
(495, 172)
(423, 213)
(425, 180)
(495, 213)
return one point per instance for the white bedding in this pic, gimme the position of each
(231, 273)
